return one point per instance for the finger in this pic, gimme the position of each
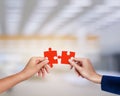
(71, 66)
(39, 73)
(78, 59)
(77, 72)
(43, 63)
(78, 62)
(47, 68)
(40, 59)
(80, 74)
(74, 65)
(43, 72)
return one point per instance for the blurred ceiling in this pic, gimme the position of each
(58, 17)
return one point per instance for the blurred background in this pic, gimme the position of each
(88, 27)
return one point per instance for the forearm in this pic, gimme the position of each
(11, 81)
(31, 68)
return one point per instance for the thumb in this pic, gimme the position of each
(43, 63)
(75, 65)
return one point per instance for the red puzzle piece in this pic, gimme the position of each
(65, 57)
(50, 55)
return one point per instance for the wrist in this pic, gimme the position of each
(96, 78)
(23, 75)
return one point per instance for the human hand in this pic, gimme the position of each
(84, 68)
(36, 65)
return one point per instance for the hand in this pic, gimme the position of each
(84, 68)
(36, 65)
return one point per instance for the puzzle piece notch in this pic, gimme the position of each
(66, 56)
(50, 54)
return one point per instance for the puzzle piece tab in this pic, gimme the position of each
(50, 55)
(66, 56)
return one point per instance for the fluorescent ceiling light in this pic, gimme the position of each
(112, 18)
(12, 28)
(68, 29)
(39, 15)
(29, 30)
(95, 13)
(13, 17)
(68, 12)
(82, 3)
(48, 3)
(112, 3)
(13, 14)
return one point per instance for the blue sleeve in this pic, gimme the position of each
(111, 84)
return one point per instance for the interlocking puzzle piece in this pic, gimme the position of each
(66, 56)
(53, 58)
(51, 54)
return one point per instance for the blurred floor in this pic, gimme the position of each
(57, 85)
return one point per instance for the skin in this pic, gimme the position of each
(84, 68)
(35, 65)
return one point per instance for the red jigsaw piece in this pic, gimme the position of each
(65, 57)
(50, 55)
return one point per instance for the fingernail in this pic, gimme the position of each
(47, 60)
(70, 60)
(37, 61)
